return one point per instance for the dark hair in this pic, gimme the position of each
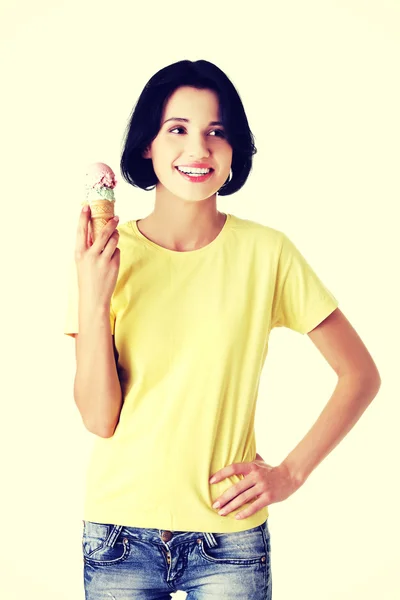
(145, 120)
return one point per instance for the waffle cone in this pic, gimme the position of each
(101, 212)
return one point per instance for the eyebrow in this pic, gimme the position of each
(188, 121)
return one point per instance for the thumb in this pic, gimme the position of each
(89, 237)
(82, 240)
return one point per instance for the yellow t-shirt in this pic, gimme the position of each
(191, 330)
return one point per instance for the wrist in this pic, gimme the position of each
(94, 311)
(295, 475)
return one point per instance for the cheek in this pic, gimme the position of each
(165, 154)
(229, 152)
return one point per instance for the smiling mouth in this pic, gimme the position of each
(196, 178)
(210, 171)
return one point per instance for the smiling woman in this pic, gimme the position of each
(169, 369)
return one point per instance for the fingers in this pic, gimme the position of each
(111, 245)
(105, 242)
(107, 239)
(90, 234)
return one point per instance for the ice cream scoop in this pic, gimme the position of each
(100, 182)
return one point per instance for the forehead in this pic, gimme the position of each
(190, 102)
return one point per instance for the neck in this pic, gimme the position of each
(183, 225)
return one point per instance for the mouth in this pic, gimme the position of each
(196, 178)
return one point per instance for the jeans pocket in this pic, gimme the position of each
(240, 547)
(103, 543)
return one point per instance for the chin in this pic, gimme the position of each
(197, 194)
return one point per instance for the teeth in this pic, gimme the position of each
(193, 170)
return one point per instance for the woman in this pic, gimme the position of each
(173, 334)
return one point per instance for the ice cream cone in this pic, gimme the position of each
(101, 212)
(100, 182)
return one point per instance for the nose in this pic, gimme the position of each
(197, 146)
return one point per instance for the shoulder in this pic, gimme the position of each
(127, 235)
(125, 228)
(254, 231)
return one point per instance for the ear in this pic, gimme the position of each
(146, 153)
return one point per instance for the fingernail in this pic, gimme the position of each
(116, 218)
(212, 480)
(216, 505)
(85, 208)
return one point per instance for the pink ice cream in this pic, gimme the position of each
(100, 182)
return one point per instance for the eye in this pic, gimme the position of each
(219, 131)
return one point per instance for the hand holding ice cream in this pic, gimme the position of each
(97, 264)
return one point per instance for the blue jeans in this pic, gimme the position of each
(134, 563)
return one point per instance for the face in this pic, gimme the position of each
(196, 141)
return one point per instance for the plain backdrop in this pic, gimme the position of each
(320, 85)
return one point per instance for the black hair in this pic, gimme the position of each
(145, 121)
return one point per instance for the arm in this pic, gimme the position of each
(358, 383)
(97, 390)
(351, 397)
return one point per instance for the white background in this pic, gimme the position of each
(320, 85)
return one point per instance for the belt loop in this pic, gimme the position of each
(113, 536)
(210, 539)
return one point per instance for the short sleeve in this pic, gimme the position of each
(302, 301)
(71, 324)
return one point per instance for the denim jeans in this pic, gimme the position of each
(134, 563)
